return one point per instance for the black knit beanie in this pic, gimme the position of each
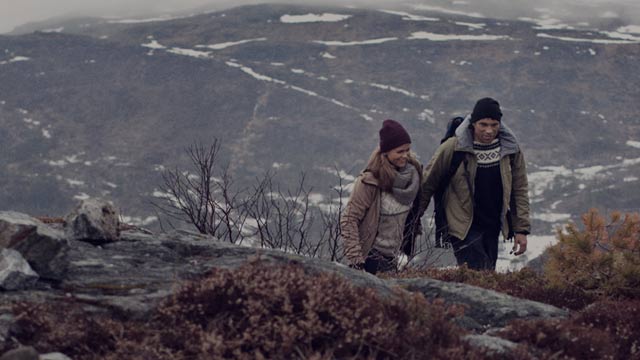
(486, 108)
(392, 135)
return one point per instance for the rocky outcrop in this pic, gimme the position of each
(15, 272)
(484, 308)
(494, 345)
(93, 220)
(42, 246)
(132, 275)
(21, 353)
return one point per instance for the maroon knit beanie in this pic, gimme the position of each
(392, 135)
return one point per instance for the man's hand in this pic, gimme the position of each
(519, 245)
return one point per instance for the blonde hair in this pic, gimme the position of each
(384, 171)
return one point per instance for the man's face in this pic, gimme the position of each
(485, 130)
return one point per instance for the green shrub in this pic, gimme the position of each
(602, 260)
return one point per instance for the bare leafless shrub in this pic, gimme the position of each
(207, 202)
(263, 215)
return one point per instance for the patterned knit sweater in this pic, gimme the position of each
(488, 185)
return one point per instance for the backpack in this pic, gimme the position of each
(441, 231)
(441, 236)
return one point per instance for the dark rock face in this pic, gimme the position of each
(93, 220)
(42, 246)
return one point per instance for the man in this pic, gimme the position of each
(486, 193)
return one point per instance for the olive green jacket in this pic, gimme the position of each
(458, 196)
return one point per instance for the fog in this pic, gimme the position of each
(17, 12)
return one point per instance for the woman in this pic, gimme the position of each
(381, 218)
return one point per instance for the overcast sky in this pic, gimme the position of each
(17, 12)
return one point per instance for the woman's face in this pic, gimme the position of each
(399, 156)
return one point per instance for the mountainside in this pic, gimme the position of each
(95, 107)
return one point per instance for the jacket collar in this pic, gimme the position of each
(368, 178)
(508, 141)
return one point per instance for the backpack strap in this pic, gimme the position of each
(456, 160)
(440, 216)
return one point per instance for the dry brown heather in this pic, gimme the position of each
(256, 311)
(279, 312)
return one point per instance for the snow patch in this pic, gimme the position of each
(326, 55)
(81, 196)
(472, 26)
(138, 221)
(409, 17)
(536, 245)
(619, 35)
(345, 176)
(552, 217)
(154, 44)
(190, 52)
(547, 23)
(635, 144)
(15, 59)
(74, 182)
(631, 29)
(355, 43)
(307, 18)
(261, 77)
(593, 41)
(255, 75)
(423, 35)
(446, 11)
(31, 121)
(57, 163)
(73, 159)
(427, 115)
(225, 45)
(393, 89)
(316, 198)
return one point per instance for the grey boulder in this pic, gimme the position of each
(42, 246)
(15, 272)
(95, 221)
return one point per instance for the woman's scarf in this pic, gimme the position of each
(406, 184)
